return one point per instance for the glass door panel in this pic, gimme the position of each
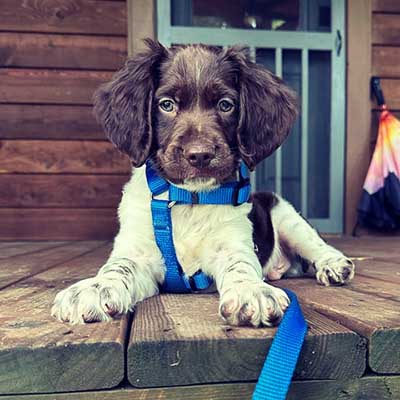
(302, 42)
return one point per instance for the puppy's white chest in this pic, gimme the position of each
(199, 231)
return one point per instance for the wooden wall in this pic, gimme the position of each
(386, 56)
(373, 31)
(59, 178)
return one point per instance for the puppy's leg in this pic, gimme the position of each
(132, 272)
(245, 299)
(119, 285)
(331, 266)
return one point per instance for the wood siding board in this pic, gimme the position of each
(369, 387)
(386, 29)
(50, 86)
(40, 354)
(42, 156)
(169, 347)
(390, 6)
(61, 51)
(58, 223)
(385, 61)
(22, 121)
(64, 191)
(64, 16)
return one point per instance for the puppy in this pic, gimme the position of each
(197, 112)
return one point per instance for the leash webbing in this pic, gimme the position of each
(276, 374)
(279, 366)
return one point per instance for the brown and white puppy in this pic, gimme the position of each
(196, 112)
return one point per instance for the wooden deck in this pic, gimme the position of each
(176, 347)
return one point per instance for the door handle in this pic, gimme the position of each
(338, 43)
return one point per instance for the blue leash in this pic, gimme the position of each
(276, 374)
(278, 369)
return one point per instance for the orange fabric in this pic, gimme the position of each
(386, 157)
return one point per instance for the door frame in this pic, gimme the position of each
(156, 27)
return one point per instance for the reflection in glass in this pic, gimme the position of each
(265, 176)
(291, 148)
(319, 122)
(284, 15)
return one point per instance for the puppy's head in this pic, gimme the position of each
(196, 111)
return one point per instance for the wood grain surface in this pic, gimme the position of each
(174, 336)
(14, 269)
(66, 16)
(58, 223)
(64, 191)
(385, 29)
(30, 121)
(376, 318)
(31, 50)
(12, 249)
(61, 156)
(50, 86)
(368, 388)
(40, 354)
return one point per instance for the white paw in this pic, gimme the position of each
(90, 300)
(334, 271)
(253, 303)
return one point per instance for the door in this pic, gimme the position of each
(301, 41)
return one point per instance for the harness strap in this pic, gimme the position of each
(234, 193)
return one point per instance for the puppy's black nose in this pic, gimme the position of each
(199, 157)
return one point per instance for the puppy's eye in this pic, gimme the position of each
(167, 105)
(225, 105)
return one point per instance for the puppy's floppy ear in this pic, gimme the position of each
(123, 105)
(268, 108)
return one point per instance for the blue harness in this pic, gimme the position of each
(277, 372)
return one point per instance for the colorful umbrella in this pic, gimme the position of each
(379, 206)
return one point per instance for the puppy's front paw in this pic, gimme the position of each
(334, 271)
(253, 303)
(91, 300)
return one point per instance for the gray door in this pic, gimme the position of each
(302, 42)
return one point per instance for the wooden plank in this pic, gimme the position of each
(385, 29)
(68, 157)
(383, 288)
(385, 61)
(357, 104)
(57, 224)
(64, 16)
(386, 6)
(23, 121)
(62, 51)
(373, 317)
(377, 269)
(41, 354)
(384, 248)
(13, 249)
(50, 86)
(65, 191)
(370, 387)
(174, 336)
(14, 269)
